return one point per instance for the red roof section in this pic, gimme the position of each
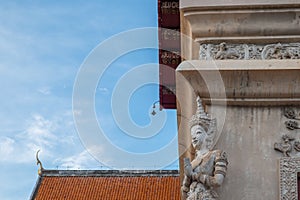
(150, 186)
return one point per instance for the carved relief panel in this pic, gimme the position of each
(224, 51)
(289, 169)
(289, 164)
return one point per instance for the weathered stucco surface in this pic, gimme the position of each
(248, 137)
(238, 21)
(242, 59)
(250, 118)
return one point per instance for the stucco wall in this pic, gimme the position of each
(248, 137)
(249, 115)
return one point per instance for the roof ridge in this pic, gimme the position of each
(106, 173)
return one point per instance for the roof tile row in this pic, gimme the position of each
(112, 188)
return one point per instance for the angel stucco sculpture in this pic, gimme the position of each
(208, 169)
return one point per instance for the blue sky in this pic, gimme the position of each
(43, 45)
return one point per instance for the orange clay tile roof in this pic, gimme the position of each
(110, 185)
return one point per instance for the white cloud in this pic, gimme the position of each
(44, 90)
(6, 147)
(77, 112)
(56, 140)
(83, 160)
(13, 151)
(39, 133)
(103, 90)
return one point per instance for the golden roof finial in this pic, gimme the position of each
(38, 162)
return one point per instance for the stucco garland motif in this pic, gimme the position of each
(224, 51)
(289, 168)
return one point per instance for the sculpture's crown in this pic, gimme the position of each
(200, 117)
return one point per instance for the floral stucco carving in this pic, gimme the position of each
(292, 125)
(290, 113)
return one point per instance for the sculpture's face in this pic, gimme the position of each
(198, 136)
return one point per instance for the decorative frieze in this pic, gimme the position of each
(224, 51)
